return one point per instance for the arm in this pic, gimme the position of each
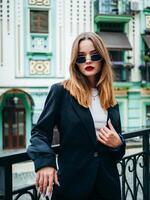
(40, 150)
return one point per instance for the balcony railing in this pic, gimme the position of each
(134, 172)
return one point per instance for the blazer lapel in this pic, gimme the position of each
(86, 118)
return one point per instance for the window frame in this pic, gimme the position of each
(39, 22)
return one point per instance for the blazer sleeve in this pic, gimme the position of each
(119, 151)
(40, 150)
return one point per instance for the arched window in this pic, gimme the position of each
(13, 123)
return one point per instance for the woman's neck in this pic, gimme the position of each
(92, 82)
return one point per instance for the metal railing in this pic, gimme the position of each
(134, 172)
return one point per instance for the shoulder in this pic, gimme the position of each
(114, 107)
(57, 89)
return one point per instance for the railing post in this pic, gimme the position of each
(123, 180)
(6, 182)
(146, 169)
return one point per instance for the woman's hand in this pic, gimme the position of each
(45, 178)
(108, 136)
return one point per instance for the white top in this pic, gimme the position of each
(99, 115)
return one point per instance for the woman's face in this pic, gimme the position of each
(88, 60)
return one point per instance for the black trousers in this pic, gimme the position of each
(93, 196)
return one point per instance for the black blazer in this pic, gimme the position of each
(84, 163)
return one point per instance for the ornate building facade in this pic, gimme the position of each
(35, 42)
(124, 25)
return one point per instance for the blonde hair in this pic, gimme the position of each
(78, 85)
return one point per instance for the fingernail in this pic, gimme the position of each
(48, 194)
(43, 194)
(58, 184)
(38, 189)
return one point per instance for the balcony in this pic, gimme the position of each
(134, 171)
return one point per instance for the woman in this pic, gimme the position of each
(87, 116)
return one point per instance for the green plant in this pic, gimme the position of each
(147, 58)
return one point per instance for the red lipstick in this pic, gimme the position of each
(89, 68)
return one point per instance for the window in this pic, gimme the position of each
(108, 6)
(38, 21)
(112, 27)
(117, 61)
(116, 57)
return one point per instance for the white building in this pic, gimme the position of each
(35, 43)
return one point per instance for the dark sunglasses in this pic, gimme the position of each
(94, 57)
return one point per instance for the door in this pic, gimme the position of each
(13, 126)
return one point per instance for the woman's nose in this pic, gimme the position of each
(88, 58)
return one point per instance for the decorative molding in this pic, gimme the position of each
(1, 33)
(112, 18)
(80, 16)
(60, 49)
(1, 42)
(60, 37)
(39, 43)
(122, 92)
(8, 16)
(147, 24)
(18, 34)
(39, 67)
(2, 91)
(145, 92)
(39, 2)
(30, 91)
(35, 55)
(41, 55)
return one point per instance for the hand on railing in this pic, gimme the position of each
(45, 178)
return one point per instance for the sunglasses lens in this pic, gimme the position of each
(81, 59)
(96, 57)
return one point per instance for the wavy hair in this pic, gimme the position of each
(78, 85)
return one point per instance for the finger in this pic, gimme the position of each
(107, 130)
(40, 183)
(56, 179)
(103, 136)
(50, 183)
(101, 140)
(37, 179)
(110, 125)
(48, 194)
(104, 133)
(45, 183)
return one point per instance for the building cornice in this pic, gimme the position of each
(112, 18)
